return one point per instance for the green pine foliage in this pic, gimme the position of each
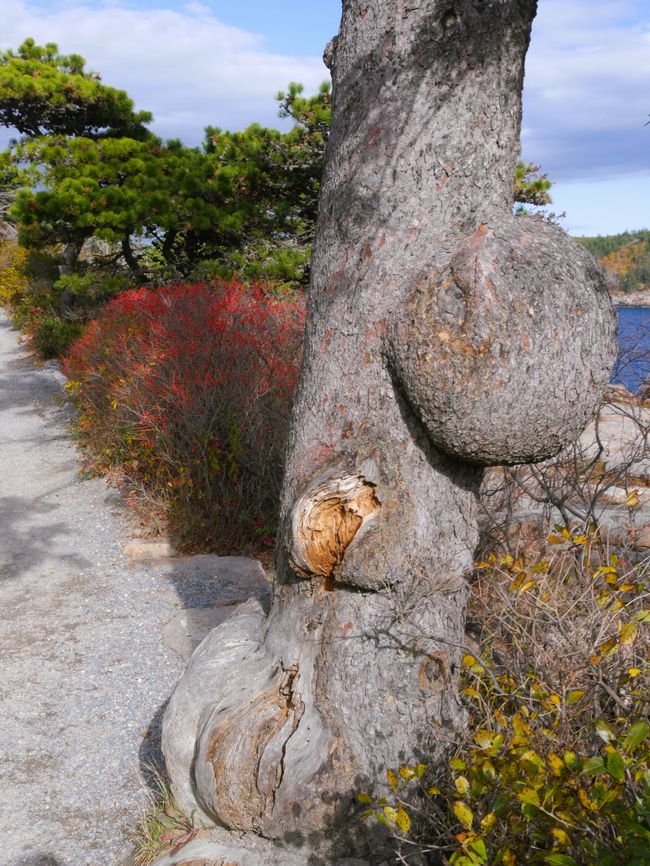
(43, 92)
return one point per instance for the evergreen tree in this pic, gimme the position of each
(43, 92)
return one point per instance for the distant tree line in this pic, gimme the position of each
(625, 256)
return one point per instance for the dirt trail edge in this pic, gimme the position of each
(91, 642)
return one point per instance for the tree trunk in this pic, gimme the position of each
(443, 335)
(70, 257)
(130, 258)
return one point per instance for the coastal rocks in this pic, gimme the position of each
(618, 437)
(632, 299)
(7, 232)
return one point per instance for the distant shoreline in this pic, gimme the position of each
(635, 299)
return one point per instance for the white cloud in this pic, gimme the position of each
(186, 66)
(587, 93)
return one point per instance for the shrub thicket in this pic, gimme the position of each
(186, 390)
(13, 281)
(555, 767)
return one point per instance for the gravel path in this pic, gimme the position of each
(84, 664)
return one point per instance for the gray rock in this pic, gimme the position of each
(7, 231)
(144, 550)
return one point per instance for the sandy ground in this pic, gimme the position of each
(91, 643)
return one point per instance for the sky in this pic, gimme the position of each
(220, 63)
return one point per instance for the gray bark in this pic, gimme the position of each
(443, 335)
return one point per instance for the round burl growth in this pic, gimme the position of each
(505, 354)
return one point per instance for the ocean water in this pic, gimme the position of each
(633, 365)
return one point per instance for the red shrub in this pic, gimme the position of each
(188, 388)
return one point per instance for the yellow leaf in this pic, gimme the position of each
(586, 802)
(529, 795)
(634, 672)
(484, 739)
(392, 779)
(557, 764)
(555, 699)
(629, 633)
(575, 695)
(364, 798)
(402, 820)
(433, 791)
(462, 785)
(580, 539)
(508, 858)
(464, 814)
(632, 499)
(608, 647)
(561, 837)
(554, 539)
(406, 772)
(391, 813)
(469, 692)
(541, 567)
(488, 822)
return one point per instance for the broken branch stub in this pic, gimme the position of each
(325, 520)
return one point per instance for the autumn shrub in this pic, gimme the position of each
(555, 766)
(13, 280)
(187, 389)
(52, 337)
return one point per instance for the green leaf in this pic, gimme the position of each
(420, 770)
(594, 766)
(560, 860)
(479, 850)
(616, 766)
(636, 735)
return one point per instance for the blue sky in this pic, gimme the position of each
(586, 96)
